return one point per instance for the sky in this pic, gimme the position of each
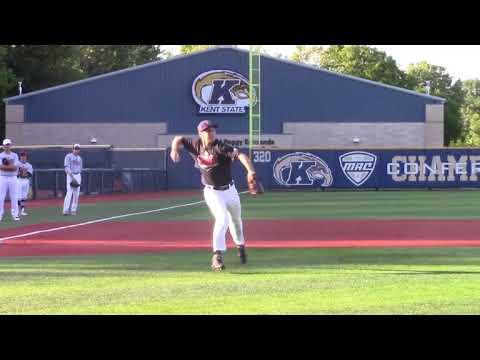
(460, 61)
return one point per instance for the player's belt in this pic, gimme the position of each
(75, 173)
(221, 188)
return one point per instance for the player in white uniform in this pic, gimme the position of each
(25, 173)
(8, 179)
(73, 169)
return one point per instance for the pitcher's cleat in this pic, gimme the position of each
(217, 262)
(242, 254)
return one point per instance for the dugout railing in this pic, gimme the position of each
(48, 183)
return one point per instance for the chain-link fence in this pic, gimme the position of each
(51, 183)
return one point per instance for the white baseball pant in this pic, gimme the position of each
(71, 199)
(23, 185)
(226, 209)
(8, 183)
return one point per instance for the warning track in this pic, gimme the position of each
(124, 237)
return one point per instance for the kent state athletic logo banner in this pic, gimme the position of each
(281, 169)
(301, 169)
(370, 169)
(221, 92)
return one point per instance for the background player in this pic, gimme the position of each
(8, 179)
(25, 173)
(214, 160)
(73, 169)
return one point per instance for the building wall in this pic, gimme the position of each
(294, 93)
(119, 135)
(434, 126)
(294, 135)
(154, 93)
(162, 92)
(301, 107)
(370, 135)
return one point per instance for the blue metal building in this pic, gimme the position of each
(159, 99)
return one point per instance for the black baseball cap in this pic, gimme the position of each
(23, 153)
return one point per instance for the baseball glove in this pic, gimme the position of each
(255, 187)
(5, 162)
(23, 173)
(74, 184)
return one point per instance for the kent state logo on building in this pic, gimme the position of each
(302, 169)
(221, 92)
(358, 166)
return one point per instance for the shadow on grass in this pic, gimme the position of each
(423, 272)
(63, 273)
(261, 261)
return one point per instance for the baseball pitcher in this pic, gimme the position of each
(8, 179)
(73, 169)
(214, 160)
(25, 173)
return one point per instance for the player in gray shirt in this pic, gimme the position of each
(25, 173)
(73, 169)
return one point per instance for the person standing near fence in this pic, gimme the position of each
(73, 169)
(25, 173)
(8, 179)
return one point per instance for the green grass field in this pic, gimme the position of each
(307, 281)
(275, 281)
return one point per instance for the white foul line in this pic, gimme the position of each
(101, 220)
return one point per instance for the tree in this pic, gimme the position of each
(356, 60)
(471, 112)
(100, 59)
(7, 83)
(7, 78)
(308, 54)
(188, 49)
(363, 61)
(440, 85)
(41, 66)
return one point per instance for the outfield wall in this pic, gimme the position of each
(278, 169)
(304, 169)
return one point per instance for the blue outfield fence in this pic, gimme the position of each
(348, 169)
